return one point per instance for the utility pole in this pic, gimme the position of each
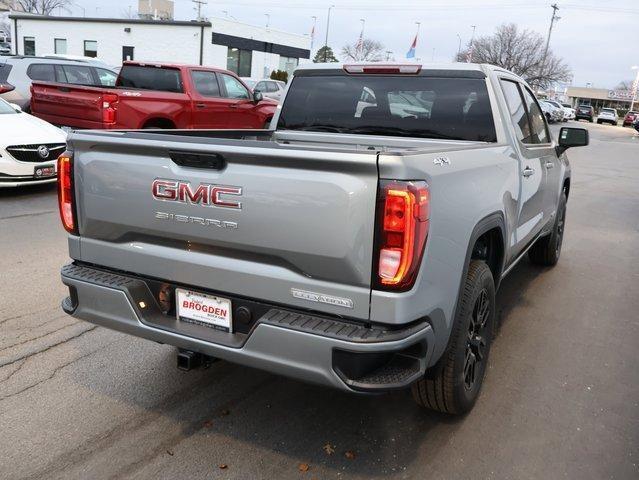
(552, 23)
(199, 4)
(459, 47)
(328, 24)
(388, 55)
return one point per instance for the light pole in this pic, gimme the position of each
(268, 19)
(328, 24)
(635, 84)
(459, 47)
(472, 42)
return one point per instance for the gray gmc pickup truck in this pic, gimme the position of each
(357, 244)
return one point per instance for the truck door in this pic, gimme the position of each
(241, 111)
(545, 148)
(209, 108)
(534, 147)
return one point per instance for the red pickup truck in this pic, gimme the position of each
(155, 96)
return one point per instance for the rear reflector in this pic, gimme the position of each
(109, 101)
(66, 196)
(402, 228)
(407, 69)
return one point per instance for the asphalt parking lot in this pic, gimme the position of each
(561, 399)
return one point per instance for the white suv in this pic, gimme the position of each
(608, 115)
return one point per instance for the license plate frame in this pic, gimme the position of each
(211, 311)
(39, 172)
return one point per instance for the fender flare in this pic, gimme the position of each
(493, 220)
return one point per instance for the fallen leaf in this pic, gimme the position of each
(223, 466)
(350, 455)
(169, 452)
(304, 467)
(208, 424)
(329, 449)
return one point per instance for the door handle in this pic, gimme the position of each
(64, 89)
(528, 172)
(550, 165)
(234, 105)
(200, 105)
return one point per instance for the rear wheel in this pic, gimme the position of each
(547, 249)
(452, 386)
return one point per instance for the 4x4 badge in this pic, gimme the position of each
(441, 161)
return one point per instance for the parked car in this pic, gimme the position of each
(18, 72)
(585, 112)
(629, 118)
(569, 112)
(156, 96)
(29, 148)
(96, 62)
(270, 88)
(359, 253)
(608, 115)
(552, 112)
(5, 48)
(560, 107)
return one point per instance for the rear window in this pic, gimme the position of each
(41, 71)
(415, 106)
(150, 78)
(608, 110)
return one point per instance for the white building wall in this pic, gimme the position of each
(159, 42)
(163, 43)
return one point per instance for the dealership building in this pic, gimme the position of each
(599, 98)
(248, 50)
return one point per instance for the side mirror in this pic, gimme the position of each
(571, 137)
(16, 107)
(257, 96)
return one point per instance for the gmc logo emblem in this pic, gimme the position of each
(205, 194)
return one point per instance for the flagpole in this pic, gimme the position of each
(360, 41)
(419, 24)
(313, 31)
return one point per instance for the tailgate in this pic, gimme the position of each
(69, 105)
(305, 223)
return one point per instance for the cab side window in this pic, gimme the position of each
(517, 111)
(538, 126)
(234, 89)
(527, 117)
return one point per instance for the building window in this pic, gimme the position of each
(239, 61)
(60, 46)
(29, 45)
(90, 48)
(288, 64)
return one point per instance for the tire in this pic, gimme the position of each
(546, 250)
(453, 385)
(599, 122)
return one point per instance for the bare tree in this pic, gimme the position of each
(521, 52)
(43, 7)
(365, 51)
(624, 85)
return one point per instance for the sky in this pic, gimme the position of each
(597, 38)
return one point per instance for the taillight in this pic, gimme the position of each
(402, 228)
(66, 196)
(6, 87)
(109, 101)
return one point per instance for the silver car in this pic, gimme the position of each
(268, 87)
(17, 72)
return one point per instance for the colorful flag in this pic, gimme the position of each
(411, 51)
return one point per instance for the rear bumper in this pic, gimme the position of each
(308, 347)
